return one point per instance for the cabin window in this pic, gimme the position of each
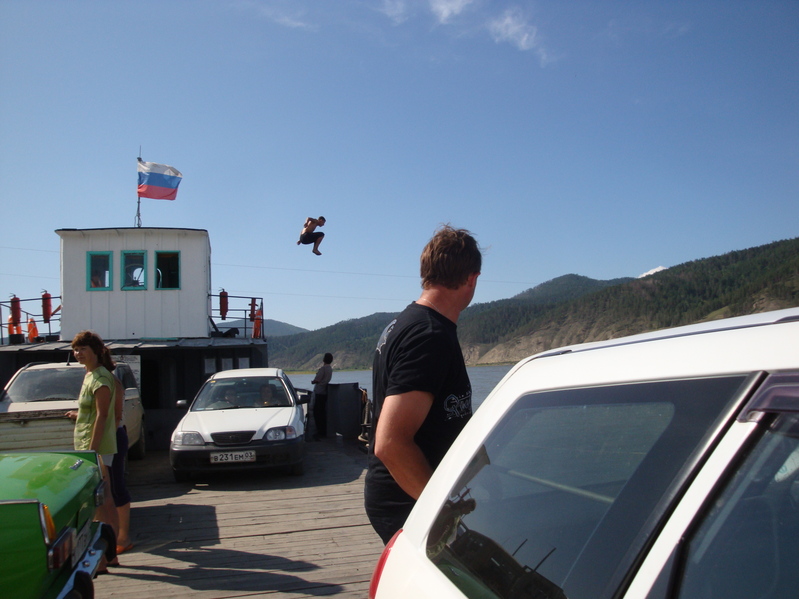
(98, 271)
(167, 270)
(134, 270)
(210, 365)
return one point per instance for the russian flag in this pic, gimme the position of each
(158, 181)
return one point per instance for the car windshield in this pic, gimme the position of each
(244, 392)
(50, 384)
(559, 498)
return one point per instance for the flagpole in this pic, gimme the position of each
(137, 223)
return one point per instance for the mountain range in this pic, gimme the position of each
(271, 328)
(576, 309)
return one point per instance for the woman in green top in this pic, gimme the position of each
(95, 424)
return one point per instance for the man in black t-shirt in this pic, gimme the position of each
(421, 390)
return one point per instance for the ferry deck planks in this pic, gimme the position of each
(250, 534)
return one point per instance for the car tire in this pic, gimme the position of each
(137, 451)
(83, 587)
(181, 476)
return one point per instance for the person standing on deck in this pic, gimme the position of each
(309, 235)
(119, 487)
(95, 421)
(421, 390)
(320, 381)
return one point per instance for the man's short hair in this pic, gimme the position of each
(449, 258)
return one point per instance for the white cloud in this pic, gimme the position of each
(651, 272)
(293, 22)
(513, 27)
(279, 13)
(444, 10)
(673, 30)
(396, 10)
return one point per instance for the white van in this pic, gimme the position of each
(35, 401)
(658, 465)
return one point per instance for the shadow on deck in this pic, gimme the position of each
(264, 534)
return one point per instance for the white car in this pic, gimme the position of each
(241, 419)
(42, 392)
(658, 465)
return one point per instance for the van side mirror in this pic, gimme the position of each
(182, 403)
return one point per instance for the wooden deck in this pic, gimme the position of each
(249, 535)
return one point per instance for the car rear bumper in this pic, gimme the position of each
(267, 455)
(87, 565)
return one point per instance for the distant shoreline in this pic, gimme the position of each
(290, 372)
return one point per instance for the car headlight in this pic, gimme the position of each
(187, 438)
(281, 433)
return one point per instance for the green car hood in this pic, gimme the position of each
(65, 482)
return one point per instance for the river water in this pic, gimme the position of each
(483, 379)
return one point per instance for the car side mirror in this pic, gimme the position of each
(182, 403)
(303, 396)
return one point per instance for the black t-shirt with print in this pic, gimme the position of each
(418, 351)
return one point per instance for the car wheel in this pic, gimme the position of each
(181, 476)
(139, 449)
(83, 587)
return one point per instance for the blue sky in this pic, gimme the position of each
(589, 137)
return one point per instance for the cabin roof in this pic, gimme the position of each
(139, 344)
(134, 229)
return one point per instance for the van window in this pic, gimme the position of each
(569, 481)
(125, 375)
(747, 545)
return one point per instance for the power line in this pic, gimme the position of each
(303, 270)
(8, 274)
(359, 274)
(6, 247)
(325, 271)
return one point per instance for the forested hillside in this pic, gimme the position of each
(491, 322)
(352, 342)
(574, 309)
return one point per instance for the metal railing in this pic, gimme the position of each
(225, 308)
(31, 309)
(243, 316)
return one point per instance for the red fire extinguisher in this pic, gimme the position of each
(16, 313)
(47, 307)
(252, 310)
(223, 304)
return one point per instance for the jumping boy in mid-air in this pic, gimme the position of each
(309, 235)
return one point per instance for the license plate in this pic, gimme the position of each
(81, 542)
(229, 457)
